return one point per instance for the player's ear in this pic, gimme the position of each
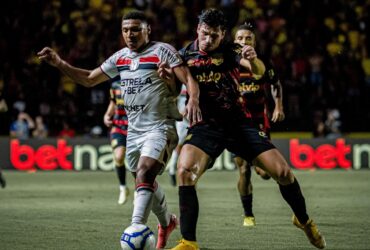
(149, 29)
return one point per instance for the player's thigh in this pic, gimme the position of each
(192, 163)
(275, 164)
(248, 142)
(159, 145)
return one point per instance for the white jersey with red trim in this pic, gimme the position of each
(146, 96)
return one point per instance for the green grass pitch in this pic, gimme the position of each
(79, 210)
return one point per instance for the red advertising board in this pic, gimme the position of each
(95, 154)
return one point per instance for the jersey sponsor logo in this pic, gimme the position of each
(249, 88)
(208, 78)
(128, 82)
(204, 62)
(134, 108)
(134, 85)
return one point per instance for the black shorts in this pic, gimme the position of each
(117, 140)
(243, 140)
(261, 128)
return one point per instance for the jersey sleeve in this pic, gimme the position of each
(169, 55)
(109, 67)
(235, 51)
(270, 73)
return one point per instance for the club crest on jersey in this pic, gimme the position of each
(134, 64)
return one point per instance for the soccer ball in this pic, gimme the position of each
(138, 237)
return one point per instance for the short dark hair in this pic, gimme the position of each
(213, 18)
(246, 26)
(136, 14)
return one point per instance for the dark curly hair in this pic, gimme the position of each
(213, 18)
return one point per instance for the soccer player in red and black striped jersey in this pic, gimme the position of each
(116, 118)
(225, 125)
(255, 91)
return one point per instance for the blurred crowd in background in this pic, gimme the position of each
(320, 50)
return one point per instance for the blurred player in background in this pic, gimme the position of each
(151, 134)
(255, 91)
(225, 125)
(182, 129)
(116, 118)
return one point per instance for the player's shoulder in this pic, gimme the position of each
(189, 50)
(228, 47)
(119, 54)
(163, 46)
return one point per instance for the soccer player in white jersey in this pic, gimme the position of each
(151, 132)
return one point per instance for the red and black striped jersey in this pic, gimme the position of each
(255, 91)
(217, 73)
(120, 122)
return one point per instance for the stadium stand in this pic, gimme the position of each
(320, 49)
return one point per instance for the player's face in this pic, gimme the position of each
(245, 37)
(209, 38)
(135, 33)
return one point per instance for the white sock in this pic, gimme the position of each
(142, 206)
(159, 207)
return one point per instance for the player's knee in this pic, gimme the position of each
(120, 162)
(119, 158)
(284, 174)
(262, 173)
(244, 170)
(186, 176)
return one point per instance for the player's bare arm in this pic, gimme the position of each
(277, 93)
(250, 61)
(192, 110)
(87, 78)
(166, 73)
(108, 121)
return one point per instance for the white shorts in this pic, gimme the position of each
(157, 144)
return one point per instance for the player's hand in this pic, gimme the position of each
(249, 53)
(50, 56)
(278, 115)
(192, 111)
(108, 120)
(165, 72)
